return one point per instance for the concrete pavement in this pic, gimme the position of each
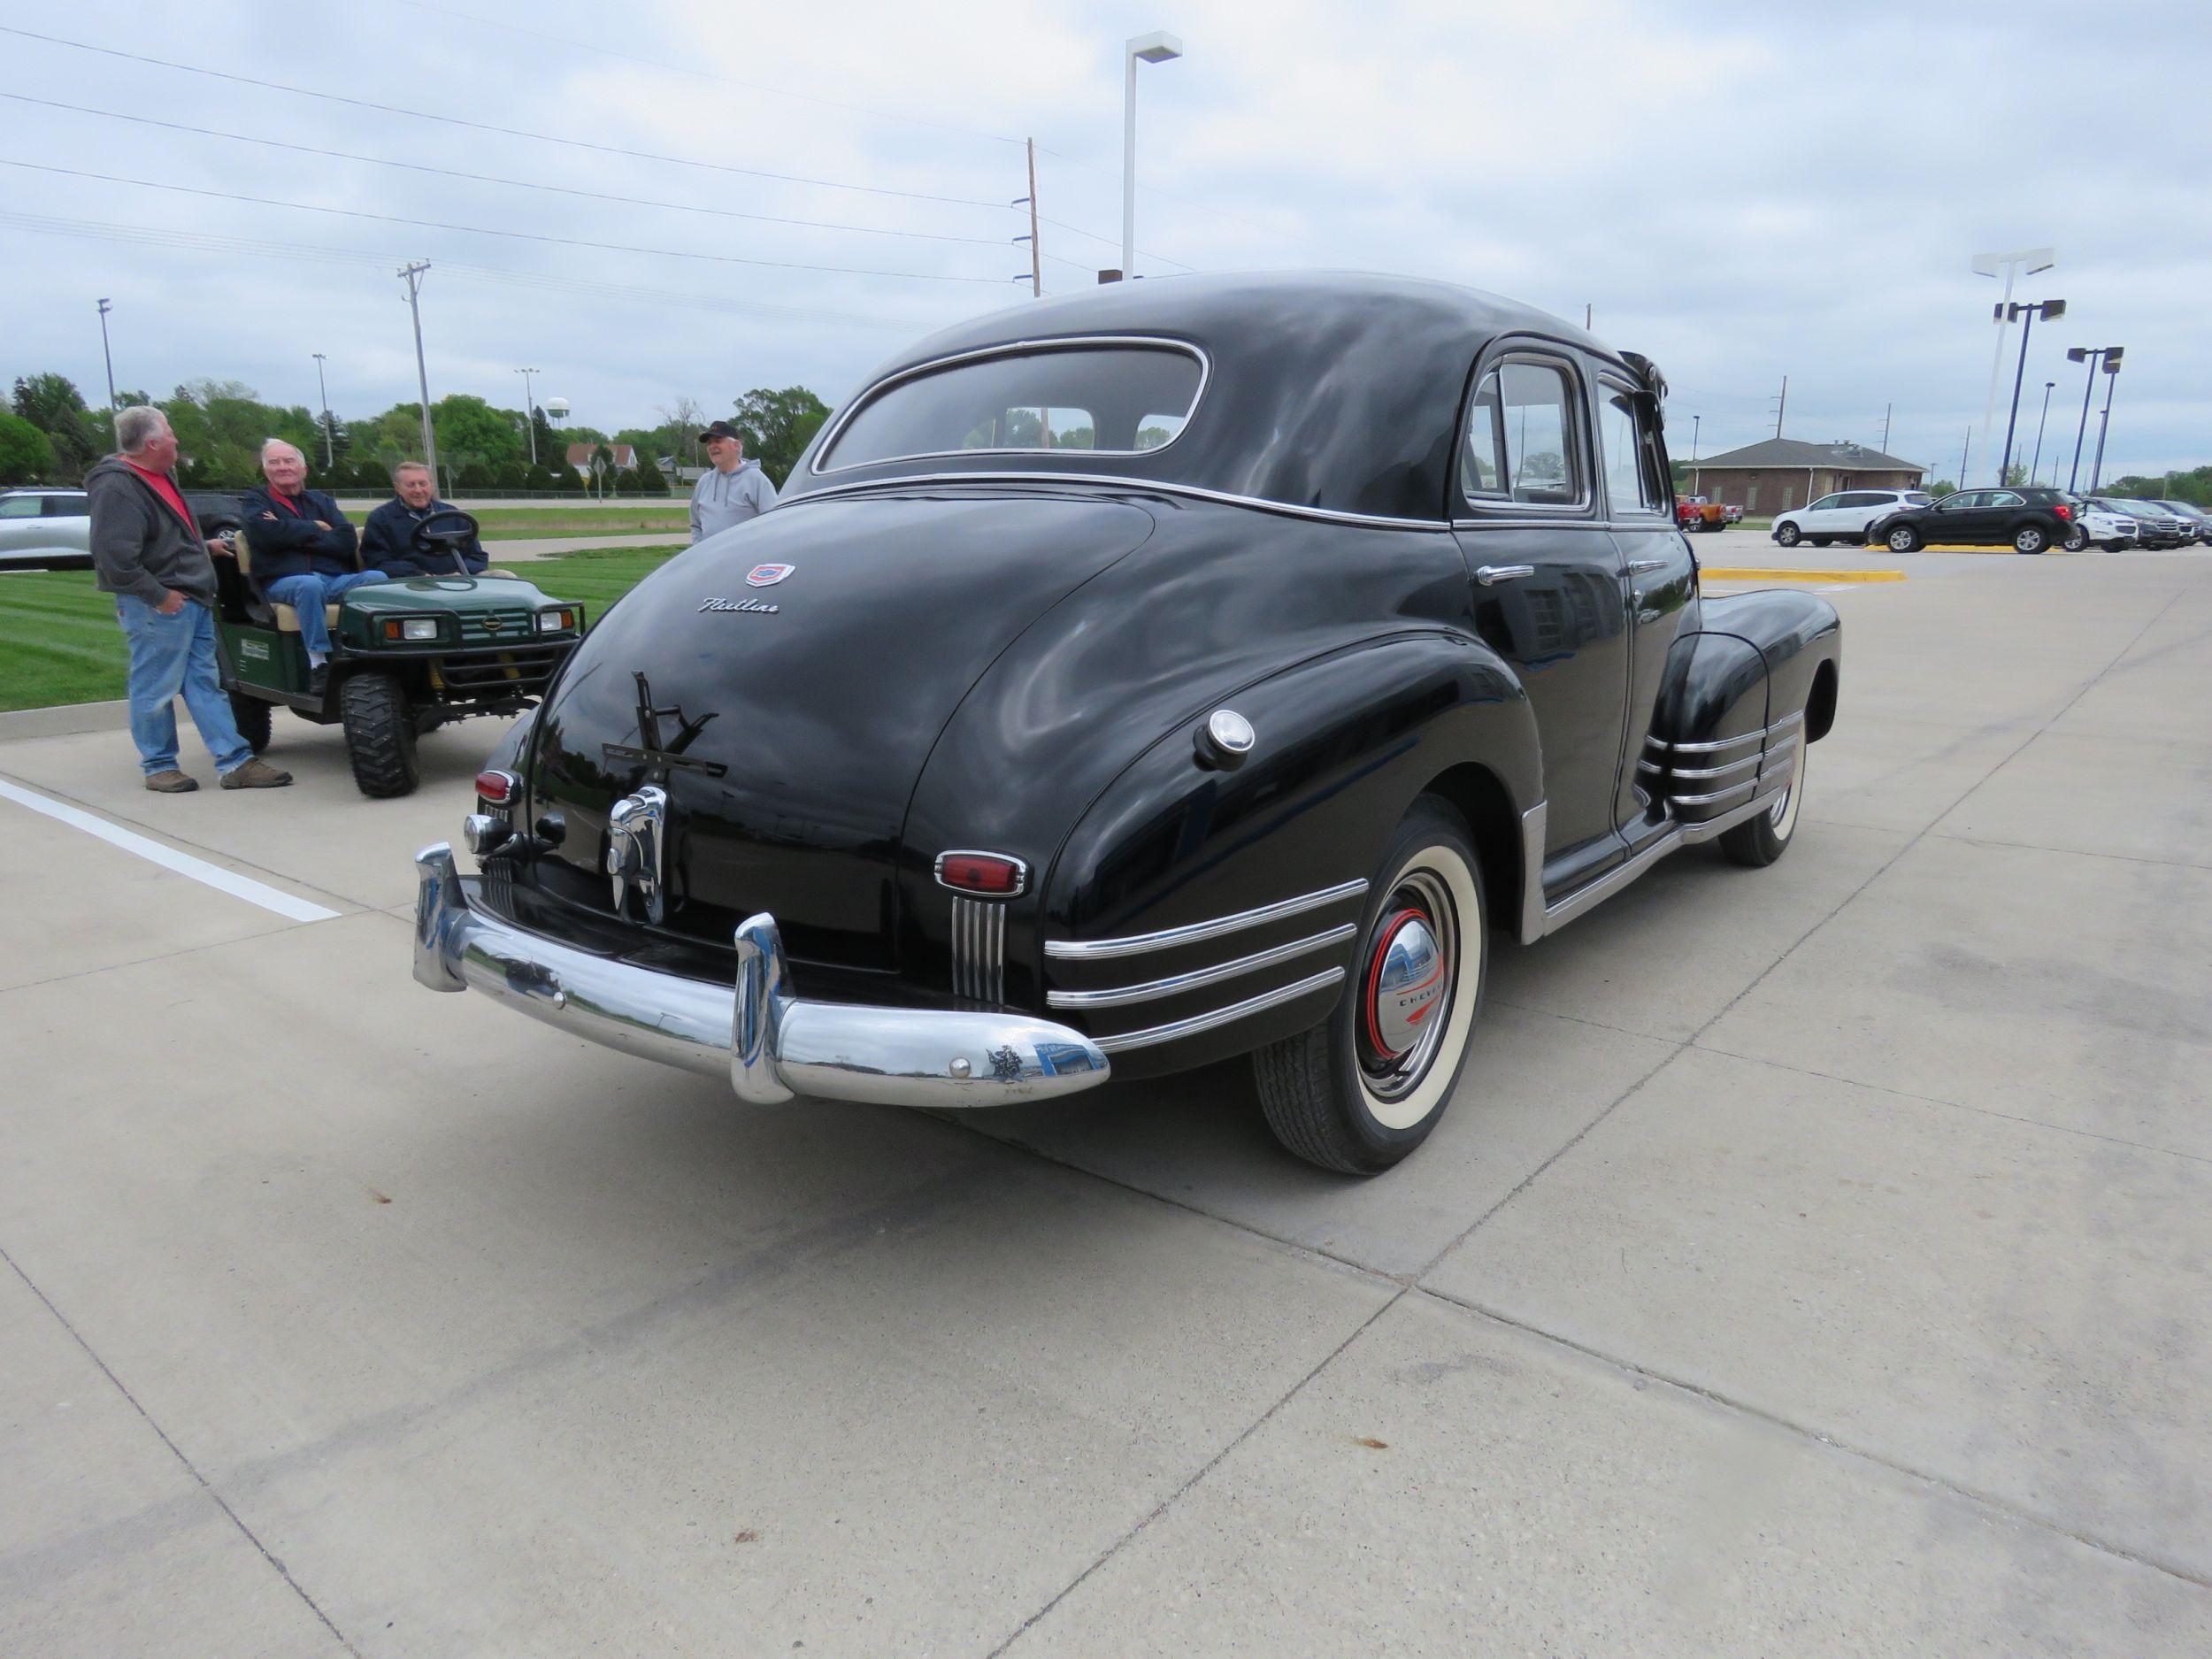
(1814, 1259)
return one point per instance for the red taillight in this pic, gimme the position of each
(496, 787)
(2062, 509)
(992, 873)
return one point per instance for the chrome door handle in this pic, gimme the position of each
(1645, 566)
(1490, 574)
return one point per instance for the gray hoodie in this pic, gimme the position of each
(722, 499)
(140, 547)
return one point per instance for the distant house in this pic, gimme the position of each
(1776, 475)
(579, 455)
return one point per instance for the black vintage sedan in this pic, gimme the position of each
(1181, 670)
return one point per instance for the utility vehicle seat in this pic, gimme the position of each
(267, 612)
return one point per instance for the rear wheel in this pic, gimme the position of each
(2077, 539)
(1903, 539)
(251, 716)
(2031, 538)
(1787, 535)
(1362, 1088)
(380, 735)
(1759, 841)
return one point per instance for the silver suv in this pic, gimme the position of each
(45, 528)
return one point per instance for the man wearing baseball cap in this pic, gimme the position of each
(736, 489)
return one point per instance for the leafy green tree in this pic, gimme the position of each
(550, 444)
(52, 403)
(1941, 488)
(470, 429)
(26, 455)
(778, 425)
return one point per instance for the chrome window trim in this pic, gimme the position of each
(1219, 1017)
(1017, 347)
(1643, 518)
(1152, 990)
(1120, 480)
(1136, 944)
(1544, 355)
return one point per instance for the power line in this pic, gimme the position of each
(208, 241)
(709, 74)
(480, 230)
(486, 126)
(484, 178)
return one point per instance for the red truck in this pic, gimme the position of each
(1695, 513)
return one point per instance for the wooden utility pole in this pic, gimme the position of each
(1036, 254)
(1781, 403)
(1886, 407)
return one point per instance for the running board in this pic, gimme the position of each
(1550, 918)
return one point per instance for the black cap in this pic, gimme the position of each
(721, 429)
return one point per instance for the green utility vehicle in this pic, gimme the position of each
(406, 655)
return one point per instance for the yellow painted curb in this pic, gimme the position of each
(1713, 573)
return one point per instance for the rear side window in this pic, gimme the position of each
(20, 507)
(1119, 399)
(1520, 437)
(1632, 459)
(68, 507)
(1917, 498)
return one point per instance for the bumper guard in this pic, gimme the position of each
(769, 1044)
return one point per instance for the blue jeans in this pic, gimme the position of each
(171, 656)
(308, 594)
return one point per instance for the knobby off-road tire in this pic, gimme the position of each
(1359, 1091)
(380, 735)
(251, 716)
(1759, 841)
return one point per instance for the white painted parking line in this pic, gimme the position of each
(223, 880)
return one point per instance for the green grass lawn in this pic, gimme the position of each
(59, 642)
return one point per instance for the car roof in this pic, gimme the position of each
(1324, 389)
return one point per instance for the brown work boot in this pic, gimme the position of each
(171, 782)
(256, 775)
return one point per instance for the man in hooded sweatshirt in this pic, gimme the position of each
(733, 489)
(148, 551)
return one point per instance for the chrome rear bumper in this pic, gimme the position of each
(769, 1044)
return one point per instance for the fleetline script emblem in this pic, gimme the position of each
(767, 575)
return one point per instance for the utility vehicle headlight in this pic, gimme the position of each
(557, 621)
(420, 628)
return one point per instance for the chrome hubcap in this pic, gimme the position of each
(1406, 986)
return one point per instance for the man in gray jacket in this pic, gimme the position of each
(734, 490)
(148, 552)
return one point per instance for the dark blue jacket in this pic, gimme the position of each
(287, 543)
(387, 543)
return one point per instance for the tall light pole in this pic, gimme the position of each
(2104, 421)
(2009, 265)
(411, 274)
(330, 458)
(530, 411)
(107, 356)
(1158, 47)
(2035, 466)
(2092, 356)
(2051, 310)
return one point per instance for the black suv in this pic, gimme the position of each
(2033, 520)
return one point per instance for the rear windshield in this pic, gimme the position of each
(1100, 400)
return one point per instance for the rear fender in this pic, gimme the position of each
(1346, 742)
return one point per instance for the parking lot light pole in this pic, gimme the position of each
(2089, 355)
(530, 412)
(2104, 421)
(322, 390)
(106, 355)
(2037, 463)
(2009, 265)
(2050, 310)
(1156, 48)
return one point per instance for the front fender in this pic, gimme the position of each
(1345, 743)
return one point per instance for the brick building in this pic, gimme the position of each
(1776, 475)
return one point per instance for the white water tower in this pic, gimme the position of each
(555, 407)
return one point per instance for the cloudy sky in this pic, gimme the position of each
(1743, 191)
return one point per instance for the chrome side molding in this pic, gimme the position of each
(1136, 944)
(1152, 990)
(1219, 1017)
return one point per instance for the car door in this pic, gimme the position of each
(1660, 571)
(2000, 510)
(66, 525)
(1954, 517)
(1819, 518)
(1550, 588)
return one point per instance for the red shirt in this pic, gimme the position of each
(290, 503)
(166, 487)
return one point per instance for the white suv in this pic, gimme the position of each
(2101, 526)
(1844, 515)
(45, 528)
